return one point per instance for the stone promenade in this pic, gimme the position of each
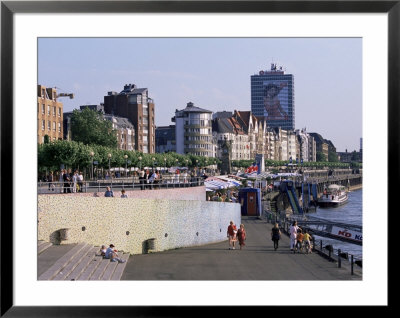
(257, 261)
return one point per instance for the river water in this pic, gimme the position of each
(350, 213)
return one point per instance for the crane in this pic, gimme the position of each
(70, 95)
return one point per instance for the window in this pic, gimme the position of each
(54, 126)
(43, 108)
(49, 125)
(59, 112)
(59, 127)
(54, 111)
(43, 124)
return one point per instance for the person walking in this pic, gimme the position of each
(75, 182)
(231, 233)
(241, 235)
(276, 235)
(80, 181)
(67, 185)
(293, 233)
(307, 242)
(299, 240)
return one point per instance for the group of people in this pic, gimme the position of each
(111, 253)
(72, 181)
(235, 235)
(109, 193)
(298, 239)
(148, 179)
(219, 197)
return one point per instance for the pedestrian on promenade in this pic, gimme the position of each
(293, 232)
(108, 193)
(66, 179)
(123, 195)
(299, 240)
(50, 180)
(80, 181)
(307, 241)
(231, 233)
(276, 235)
(75, 181)
(241, 235)
(112, 254)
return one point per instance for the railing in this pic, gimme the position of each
(134, 183)
(319, 246)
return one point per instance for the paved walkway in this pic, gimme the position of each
(257, 261)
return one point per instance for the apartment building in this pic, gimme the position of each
(135, 104)
(50, 114)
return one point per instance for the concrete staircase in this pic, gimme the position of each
(42, 246)
(83, 263)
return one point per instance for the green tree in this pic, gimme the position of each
(320, 157)
(90, 127)
(332, 156)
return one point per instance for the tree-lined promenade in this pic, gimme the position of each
(77, 155)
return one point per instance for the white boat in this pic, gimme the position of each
(334, 195)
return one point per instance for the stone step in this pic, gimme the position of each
(73, 263)
(92, 266)
(120, 268)
(42, 246)
(98, 273)
(109, 270)
(83, 264)
(62, 262)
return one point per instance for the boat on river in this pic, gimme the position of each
(334, 195)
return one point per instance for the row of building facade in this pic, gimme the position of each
(267, 129)
(200, 132)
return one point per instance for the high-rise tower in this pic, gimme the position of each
(272, 96)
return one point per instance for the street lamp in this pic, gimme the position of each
(140, 163)
(109, 165)
(126, 165)
(165, 164)
(92, 155)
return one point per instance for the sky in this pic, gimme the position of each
(214, 74)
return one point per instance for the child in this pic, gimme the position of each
(103, 250)
(307, 242)
(299, 240)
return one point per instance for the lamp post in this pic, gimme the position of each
(140, 163)
(92, 155)
(109, 165)
(165, 164)
(126, 165)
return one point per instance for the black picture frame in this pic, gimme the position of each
(9, 8)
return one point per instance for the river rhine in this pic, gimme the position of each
(350, 213)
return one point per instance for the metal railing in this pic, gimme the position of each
(321, 247)
(133, 183)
